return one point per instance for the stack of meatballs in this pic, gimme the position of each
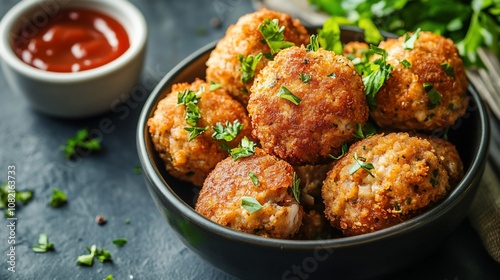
(309, 170)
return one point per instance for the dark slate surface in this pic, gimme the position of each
(105, 183)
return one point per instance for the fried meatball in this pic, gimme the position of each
(332, 104)
(221, 196)
(193, 160)
(427, 94)
(244, 39)
(382, 181)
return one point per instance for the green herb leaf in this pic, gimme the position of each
(227, 133)
(138, 169)
(313, 44)
(58, 198)
(305, 78)
(214, 86)
(43, 244)
(433, 94)
(120, 241)
(195, 131)
(409, 42)
(254, 179)
(288, 95)
(434, 178)
(245, 149)
(192, 114)
(126, 221)
(365, 131)
(360, 163)
(375, 74)
(109, 277)
(296, 187)
(250, 204)
(344, 148)
(103, 255)
(88, 259)
(329, 36)
(80, 141)
(187, 96)
(406, 63)
(273, 35)
(448, 69)
(248, 66)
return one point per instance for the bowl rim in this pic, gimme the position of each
(137, 38)
(153, 174)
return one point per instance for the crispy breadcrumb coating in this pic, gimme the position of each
(193, 160)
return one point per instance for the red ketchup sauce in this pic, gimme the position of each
(74, 40)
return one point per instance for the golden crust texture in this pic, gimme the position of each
(408, 178)
(193, 160)
(221, 196)
(332, 104)
(244, 38)
(403, 102)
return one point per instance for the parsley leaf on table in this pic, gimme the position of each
(79, 142)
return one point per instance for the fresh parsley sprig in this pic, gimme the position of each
(228, 132)
(246, 148)
(58, 198)
(248, 66)
(360, 163)
(250, 204)
(273, 35)
(375, 74)
(286, 94)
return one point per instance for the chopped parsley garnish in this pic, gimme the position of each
(332, 75)
(194, 131)
(138, 169)
(43, 244)
(360, 163)
(192, 114)
(120, 241)
(305, 78)
(343, 149)
(88, 259)
(126, 221)
(189, 99)
(406, 63)
(313, 44)
(7, 194)
(288, 95)
(248, 66)
(255, 180)
(329, 36)
(296, 187)
(228, 132)
(79, 142)
(448, 69)
(409, 42)
(187, 96)
(250, 204)
(246, 148)
(58, 198)
(375, 74)
(273, 35)
(109, 277)
(434, 178)
(433, 94)
(365, 131)
(214, 86)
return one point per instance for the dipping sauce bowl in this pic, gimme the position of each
(72, 58)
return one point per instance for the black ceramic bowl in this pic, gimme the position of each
(365, 256)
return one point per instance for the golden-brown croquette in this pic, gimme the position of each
(193, 160)
(332, 104)
(244, 39)
(427, 88)
(382, 181)
(262, 177)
